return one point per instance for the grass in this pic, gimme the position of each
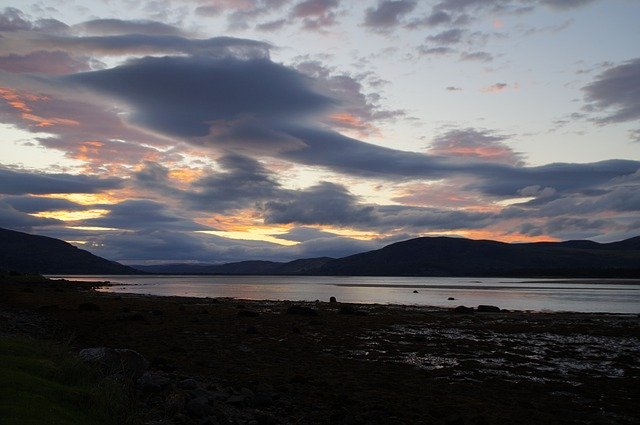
(43, 383)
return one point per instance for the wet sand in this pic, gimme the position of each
(335, 363)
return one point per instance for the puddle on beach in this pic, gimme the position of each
(480, 353)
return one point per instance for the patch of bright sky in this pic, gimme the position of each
(19, 148)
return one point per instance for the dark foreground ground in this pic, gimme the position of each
(231, 361)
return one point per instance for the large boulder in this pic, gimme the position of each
(114, 361)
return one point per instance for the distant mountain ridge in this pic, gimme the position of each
(25, 253)
(425, 256)
(444, 256)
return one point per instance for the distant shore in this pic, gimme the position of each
(330, 362)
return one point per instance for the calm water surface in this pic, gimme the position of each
(581, 295)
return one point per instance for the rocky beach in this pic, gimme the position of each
(226, 361)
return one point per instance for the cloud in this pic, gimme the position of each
(358, 110)
(476, 56)
(471, 143)
(315, 14)
(141, 214)
(44, 62)
(387, 14)
(615, 93)
(438, 17)
(204, 90)
(141, 44)
(36, 204)
(495, 88)
(566, 4)
(14, 182)
(12, 19)
(274, 25)
(563, 177)
(10, 218)
(120, 26)
(244, 183)
(325, 203)
(452, 36)
(435, 51)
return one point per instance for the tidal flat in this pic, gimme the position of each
(226, 360)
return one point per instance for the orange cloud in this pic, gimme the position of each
(495, 88)
(18, 101)
(350, 121)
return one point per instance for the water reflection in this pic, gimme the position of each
(582, 295)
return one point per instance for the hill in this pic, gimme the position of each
(442, 256)
(25, 253)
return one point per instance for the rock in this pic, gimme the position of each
(451, 299)
(174, 403)
(188, 384)
(333, 300)
(248, 313)
(198, 408)
(464, 310)
(302, 310)
(415, 292)
(88, 307)
(112, 361)
(488, 309)
(351, 310)
(152, 382)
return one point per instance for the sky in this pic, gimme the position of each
(212, 131)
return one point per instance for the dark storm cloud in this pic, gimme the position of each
(169, 245)
(137, 214)
(119, 26)
(332, 204)
(303, 234)
(616, 93)
(36, 204)
(244, 183)
(22, 182)
(508, 181)
(130, 44)
(10, 218)
(204, 90)
(325, 203)
(387, 14)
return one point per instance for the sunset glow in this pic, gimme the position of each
(256, 130)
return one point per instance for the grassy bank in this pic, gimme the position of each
(43, 383)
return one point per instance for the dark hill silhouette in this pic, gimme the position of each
(443, 256)
(25, 253)
(428, 256)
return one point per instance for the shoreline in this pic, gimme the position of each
(354, 363)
